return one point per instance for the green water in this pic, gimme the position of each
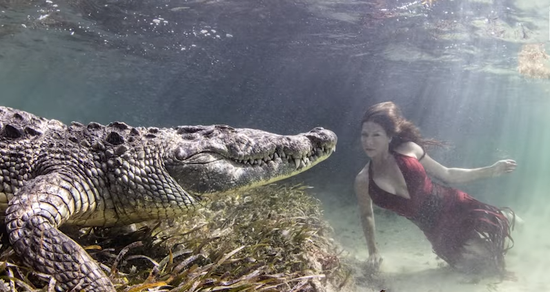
(289, 66)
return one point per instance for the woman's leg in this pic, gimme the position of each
(480, 257)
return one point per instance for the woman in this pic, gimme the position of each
(469, 235)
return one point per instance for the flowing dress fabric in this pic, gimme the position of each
(449, 218)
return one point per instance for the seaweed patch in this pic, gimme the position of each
(272, 238)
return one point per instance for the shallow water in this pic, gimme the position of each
(288, 66)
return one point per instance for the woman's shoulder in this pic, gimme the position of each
(361, 184)
(363, 175)
(410, 149)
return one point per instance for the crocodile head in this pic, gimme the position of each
(219, 158)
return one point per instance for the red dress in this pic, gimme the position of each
(448, 217)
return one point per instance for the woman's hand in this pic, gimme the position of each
(503, 166)
(373, 263)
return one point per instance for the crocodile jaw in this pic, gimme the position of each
(212, 172)
(221, 175)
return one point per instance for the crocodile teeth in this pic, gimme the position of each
(318, 151)
(297, 161)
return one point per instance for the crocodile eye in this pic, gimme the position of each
(180, 154)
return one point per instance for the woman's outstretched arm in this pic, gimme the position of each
(457, 175)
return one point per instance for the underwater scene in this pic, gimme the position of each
(274, 145)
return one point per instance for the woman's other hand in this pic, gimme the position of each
(373, 263)
(503, 166)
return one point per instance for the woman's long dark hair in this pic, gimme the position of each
(388, 115)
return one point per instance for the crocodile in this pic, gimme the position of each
(53, 173)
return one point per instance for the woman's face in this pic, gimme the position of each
(374, 139)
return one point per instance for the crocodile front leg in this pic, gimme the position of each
(32, 220)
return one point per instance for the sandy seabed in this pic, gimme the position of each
(409, 265)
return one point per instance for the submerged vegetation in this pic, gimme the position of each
(271, 238)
